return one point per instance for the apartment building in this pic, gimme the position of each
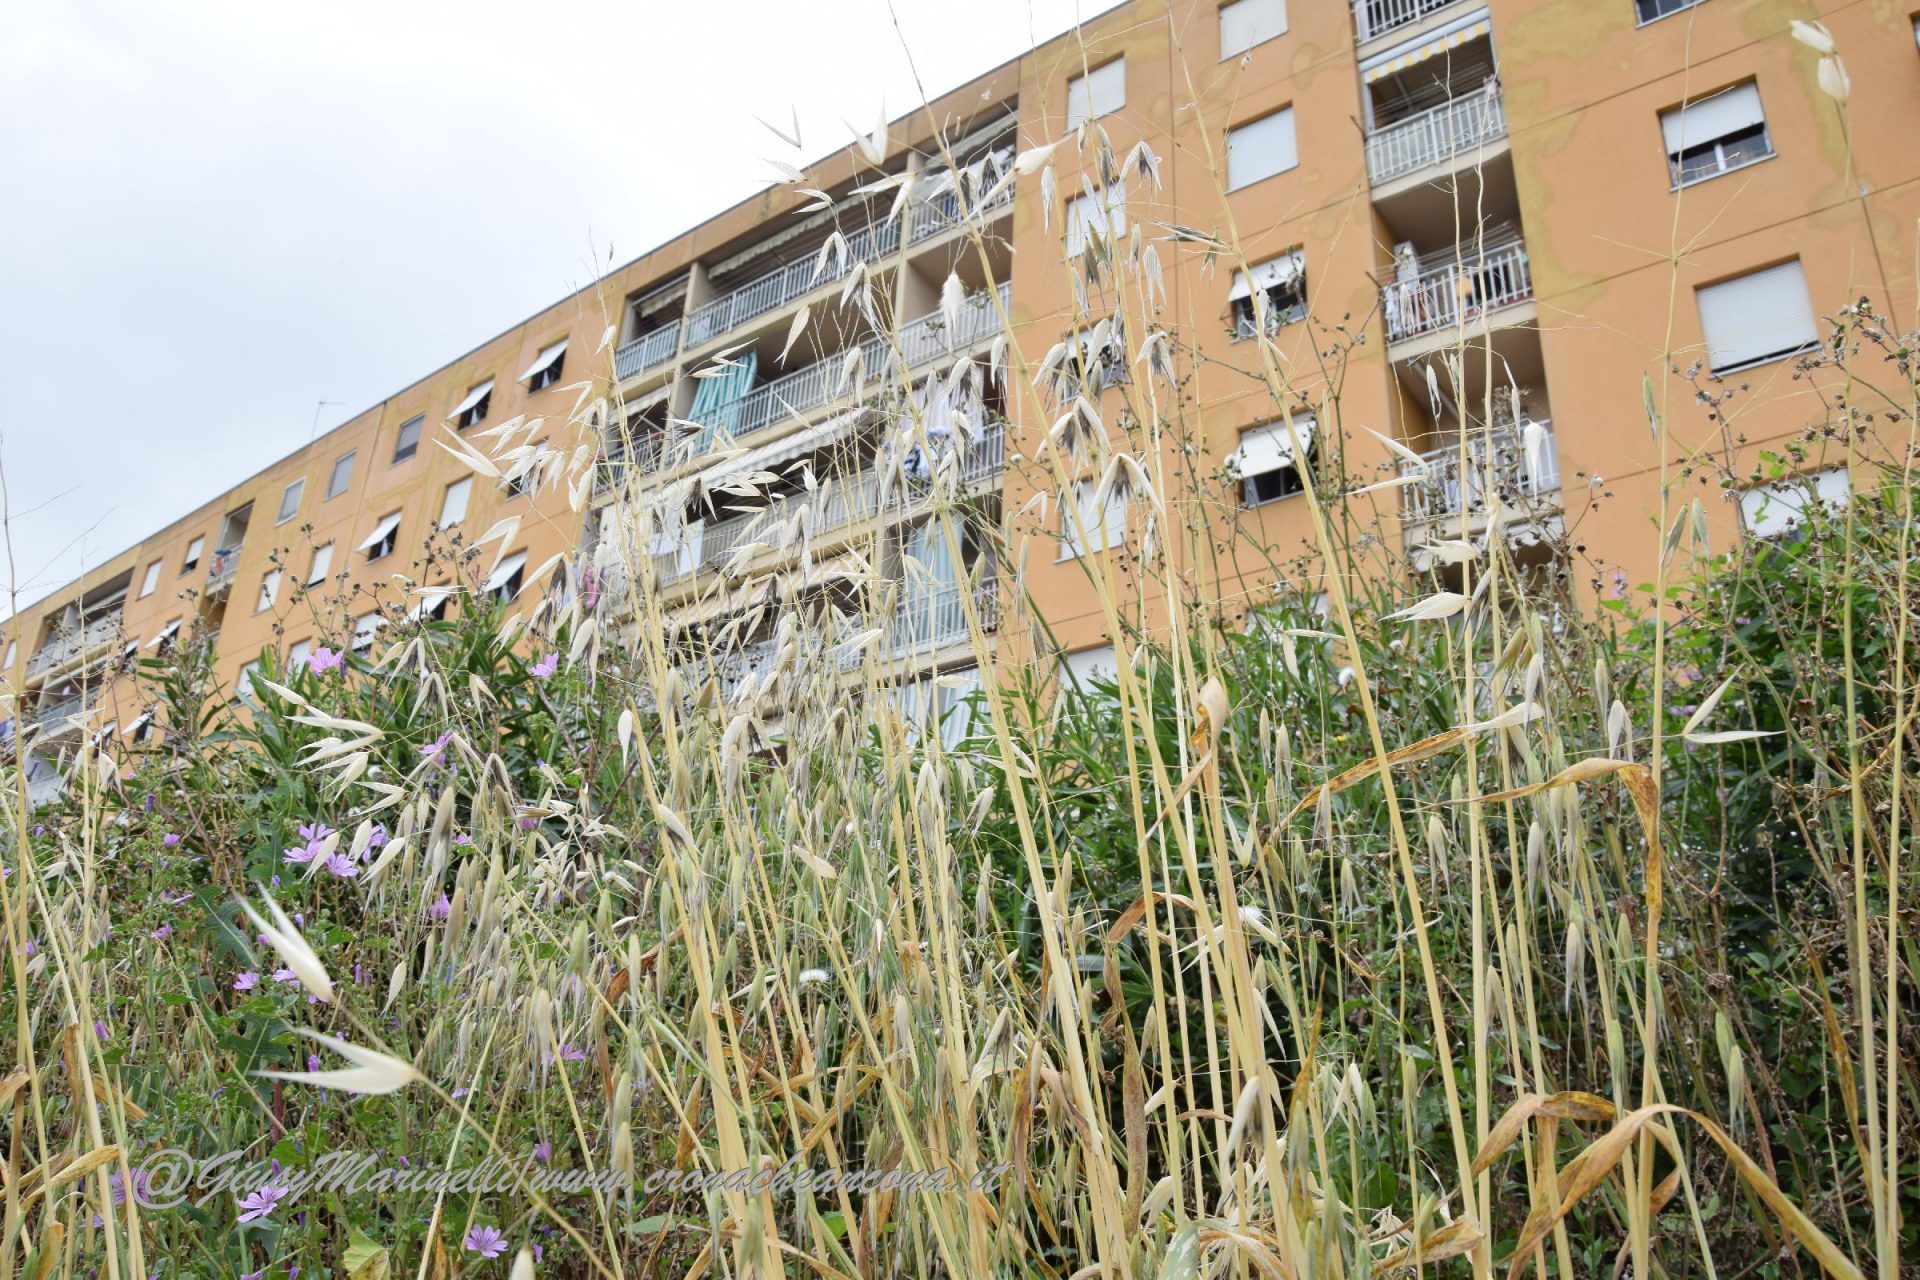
(1477, 225)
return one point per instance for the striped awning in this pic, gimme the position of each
(1450, 39)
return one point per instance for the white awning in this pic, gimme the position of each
(544, 361)
(166, 634)
(381, 530)
(139, 723)
(430, 598)
(474, 397)
(506, 569)
(1269, 448)
(785, 449)
(1727, 112)
(1270, 274)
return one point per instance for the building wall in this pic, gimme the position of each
(1615, 254)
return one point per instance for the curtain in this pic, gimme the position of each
(716, 402)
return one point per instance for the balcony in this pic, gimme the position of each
(930, 623)
(1374, 18)
(1456, 287)
(52, 719)
(771, 292)
(648, 351)
(1435, 136)
(96, 634)
(1498, 457)
(226, 563)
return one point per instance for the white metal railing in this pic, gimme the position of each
(1377, 17)
(55, 716)
(647, 351)
(1444, 293)
(930, 621)
(1499, 456)
(775, 290)
(225, 563)
(96, 633)
(943, 212)
(1434, 135)
(847, 499)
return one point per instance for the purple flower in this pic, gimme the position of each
(440, 908)
(175, 899)
(285, 976)
(543, 1151)
(485, 1241)
(164, 932)
(437, 747)
(378, 836)
(567, 1053)
(261, 1203)
(343, 866)
(170, 839)
(325, 659)
(245, 980)
(313, 1062)
(462, 838)
(254, 1275)
(147, 804)
(547, 665)
(100, 1028)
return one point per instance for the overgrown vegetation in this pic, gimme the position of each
(1611, 964)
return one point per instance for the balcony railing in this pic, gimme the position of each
(101, 631)
(921, 340)
(52, 719)
(648, 351)
(226, 562)
(1500, 456)
(1439, 134)
(1442, 293)
(771, 292)
(1377, 17)
(844, 500)
(928, 218)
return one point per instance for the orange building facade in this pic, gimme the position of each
(1478, 230)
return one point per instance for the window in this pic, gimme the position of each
(1773, 509)
(164, 642)
(243, 687)
(474, 408)
(1648, 10)
(545, 370)
(13, 651)
(380, 542)
(1261, 148)
(194, 549)
(365, 627)
(1103, 519)
(269, 591)
(503, 584)
(1761, 316)
(1097, 663)
(1264, 461)
(1246, 23)
(1278, 286)
(342, 475)
(322, 563)
(142, 727)
(1096, 93)
(1715, 135)
(152, 580)
(1085, 214)
(290, 500)
(453, 507)
(297, 656)
(407, 443)
(524, 481)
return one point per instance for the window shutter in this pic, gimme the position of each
(1246, 23)
(1261, 148)
(1268, 275)
(1094, 94)
(1756, 316)
(1727, 112)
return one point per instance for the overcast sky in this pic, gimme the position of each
(218, 215)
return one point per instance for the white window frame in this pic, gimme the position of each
(298, 653)
(1769, 510)
(417, 424)
(1640, 20)
(1264, 278)
(1083, 211)
(297, 490)
(385, 536)
(1264, 130)
(1106, 527)
(243, 684)
(464, 487)
(1100, 92)
(502, 577)
(1728, 323)
(1267, 449)
(336, 485)
(322, 564)
(151, 583)
(269, 591)
(366, 628)
(1252, 24)
(1740, 106)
